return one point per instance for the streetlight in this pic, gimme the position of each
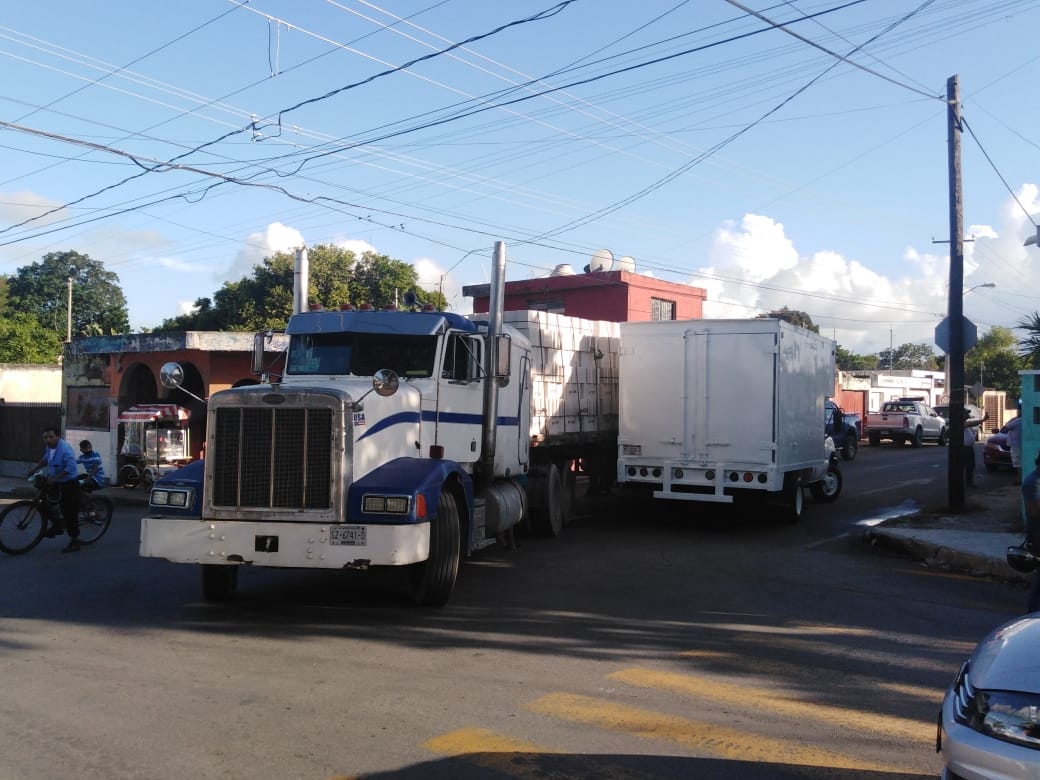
(977, 286)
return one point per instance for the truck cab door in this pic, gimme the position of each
(457, 415)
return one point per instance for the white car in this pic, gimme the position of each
(989, 728)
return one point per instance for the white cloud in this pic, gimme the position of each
(276, 237)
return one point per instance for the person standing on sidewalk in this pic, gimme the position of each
(62, 470)
(1031, 517)
(1014, 437)
(969, 447)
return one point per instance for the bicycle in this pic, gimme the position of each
(24, 523)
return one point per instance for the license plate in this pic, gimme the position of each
(348, 534)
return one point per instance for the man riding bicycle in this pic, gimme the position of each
(61, 471)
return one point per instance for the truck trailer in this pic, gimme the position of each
(407, 438)
(713, 410)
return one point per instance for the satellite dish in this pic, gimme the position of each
(563, 269)
(625, 263)
(602, 260)
(171, 375)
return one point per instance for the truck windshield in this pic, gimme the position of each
(361, 354)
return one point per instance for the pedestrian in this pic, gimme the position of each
(93, 477)
(62, 471)
(969, 447)
(1031, 519)
(1014, 437)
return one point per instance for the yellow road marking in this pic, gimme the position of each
(756, 698)
(696, 735)
(519, 758)
(455, 743)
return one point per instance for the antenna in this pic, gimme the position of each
(625, 263)
(602, 260)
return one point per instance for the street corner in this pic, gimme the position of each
(975, 553)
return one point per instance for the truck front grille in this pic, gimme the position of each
(272, 457)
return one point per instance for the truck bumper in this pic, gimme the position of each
(289, 545)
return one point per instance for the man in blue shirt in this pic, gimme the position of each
(93, 477)
(62, 471)
(1031, 516)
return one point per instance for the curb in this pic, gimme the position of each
(939, 556)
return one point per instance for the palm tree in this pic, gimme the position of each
(1029, 346)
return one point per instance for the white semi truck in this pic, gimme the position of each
(394, 438)
(713, 410)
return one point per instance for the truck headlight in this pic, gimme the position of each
(180, 498)
(390, 505)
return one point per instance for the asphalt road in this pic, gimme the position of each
(646, 642)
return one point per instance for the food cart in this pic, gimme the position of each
(155, 441)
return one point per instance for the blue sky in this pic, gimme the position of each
(795, 157)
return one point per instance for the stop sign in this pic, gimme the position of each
(942, 334)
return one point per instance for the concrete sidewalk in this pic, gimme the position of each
(974, 541)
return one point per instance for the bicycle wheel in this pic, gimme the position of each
(94, 519)
(21, 527)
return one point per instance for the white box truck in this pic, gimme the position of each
(712, 409)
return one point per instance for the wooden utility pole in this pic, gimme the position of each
(955, 357)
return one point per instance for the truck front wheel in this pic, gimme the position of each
(433, 580)
(848, 452)
(829, 488)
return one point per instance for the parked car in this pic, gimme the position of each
(990, 721)
(844, 428)
(974, 413)
(997, 453)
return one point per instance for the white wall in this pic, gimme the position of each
(21, 383)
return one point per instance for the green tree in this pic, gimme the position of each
(850, 361)
(24, 340)
(907, 356)
(994, 362)
(799, 318)
(98, 303)
(337, 277)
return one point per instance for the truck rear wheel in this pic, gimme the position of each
(547, 510)
(917, 439)
(218, 582)
(793, 500)
(874, 439)
(433, 580)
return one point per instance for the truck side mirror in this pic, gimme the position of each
(259, 340)
(503, 346)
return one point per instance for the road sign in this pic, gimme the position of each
(942, 334)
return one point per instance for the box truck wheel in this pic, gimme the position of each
(433, 580)
(793, 499)
(218, 582)
(547, 512)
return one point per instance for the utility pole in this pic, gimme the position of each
(955, 468)
(68, 311)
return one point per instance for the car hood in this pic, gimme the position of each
(1007, 659)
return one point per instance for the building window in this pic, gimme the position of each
(661, 309)
(554, 305)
